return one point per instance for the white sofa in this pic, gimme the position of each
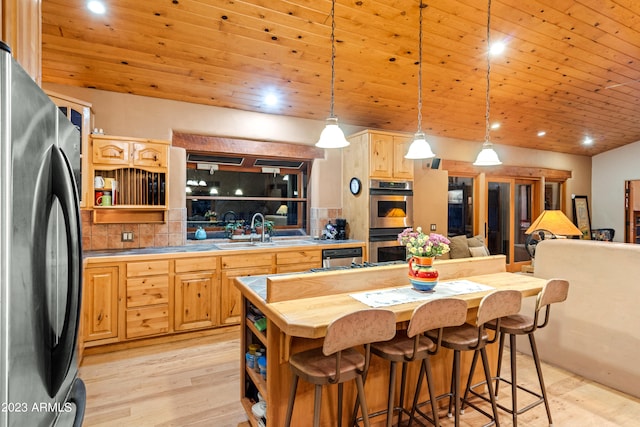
(596, 331)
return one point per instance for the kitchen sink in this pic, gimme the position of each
(255, 245)
(293, 242)
(243, 245)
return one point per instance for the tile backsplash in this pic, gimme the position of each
(320, 217)
(173, 233)
(109, 236)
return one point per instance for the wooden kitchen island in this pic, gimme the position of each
(298, 308)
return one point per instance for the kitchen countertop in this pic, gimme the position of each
(223, 246)
(308, 315)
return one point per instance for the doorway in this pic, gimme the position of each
(512, 204)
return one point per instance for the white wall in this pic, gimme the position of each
(145, 117)
(610, 171)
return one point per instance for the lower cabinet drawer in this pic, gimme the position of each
(143, 291)
(297, 268)
(147, 321)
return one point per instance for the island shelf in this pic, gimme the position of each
(298, 308)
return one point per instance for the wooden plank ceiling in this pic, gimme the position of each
(571, 67)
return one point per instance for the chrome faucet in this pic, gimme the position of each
(253, 219)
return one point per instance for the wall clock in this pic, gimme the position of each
(355, 186)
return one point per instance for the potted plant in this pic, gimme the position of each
(267, 225)
(211, 215)
(232, 228)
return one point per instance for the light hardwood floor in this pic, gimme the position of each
(196, 383)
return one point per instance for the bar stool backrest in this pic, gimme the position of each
(555, 290)
(436, 314)
(357, 328)
(498, 304)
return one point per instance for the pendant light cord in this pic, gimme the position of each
(420, 72)
(486, 116)
(333, 52)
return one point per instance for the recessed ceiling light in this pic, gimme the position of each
(96, 7)
(497, 48)
(542, 133)
(587, 141)
(271, 100)
(495, 126)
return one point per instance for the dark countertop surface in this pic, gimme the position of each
(220, 245)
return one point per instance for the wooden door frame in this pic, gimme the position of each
(482, 174)
(536, 193)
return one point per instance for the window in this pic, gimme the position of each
(230, 179)
(223, 194)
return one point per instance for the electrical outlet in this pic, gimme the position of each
(127, 236)
(433, 227)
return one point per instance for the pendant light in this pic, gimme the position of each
(488, 156)
(332, 136)
(420, 148)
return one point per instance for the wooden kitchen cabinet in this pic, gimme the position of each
(196, 293)
(100, 303)
(21, 29)
(147, 299)
(111, 150)
(371, 155)
(386, 151)
(236, 266)
(140, 168)
(295, 261)
(230, 308)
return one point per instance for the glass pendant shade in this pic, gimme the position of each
(487, 157)
(332, 136)
(419, 148)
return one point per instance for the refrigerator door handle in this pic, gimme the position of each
(78, 397)
(62, 186)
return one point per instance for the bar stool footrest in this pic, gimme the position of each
(425, 415)
(501, 406)
(396, 410)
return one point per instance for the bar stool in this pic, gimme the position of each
(338, 361)
(555, 290)
(475, 338)
(411, 344)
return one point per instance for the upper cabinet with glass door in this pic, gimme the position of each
(79, 113)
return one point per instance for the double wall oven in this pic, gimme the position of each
(390, 212)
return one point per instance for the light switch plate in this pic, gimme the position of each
(433, 227)
(127, 236)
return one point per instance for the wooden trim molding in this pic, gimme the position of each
(455, 167)
(217, 144)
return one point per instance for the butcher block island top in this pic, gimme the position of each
(298, 308)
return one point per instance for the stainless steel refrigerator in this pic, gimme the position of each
(40, 257)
